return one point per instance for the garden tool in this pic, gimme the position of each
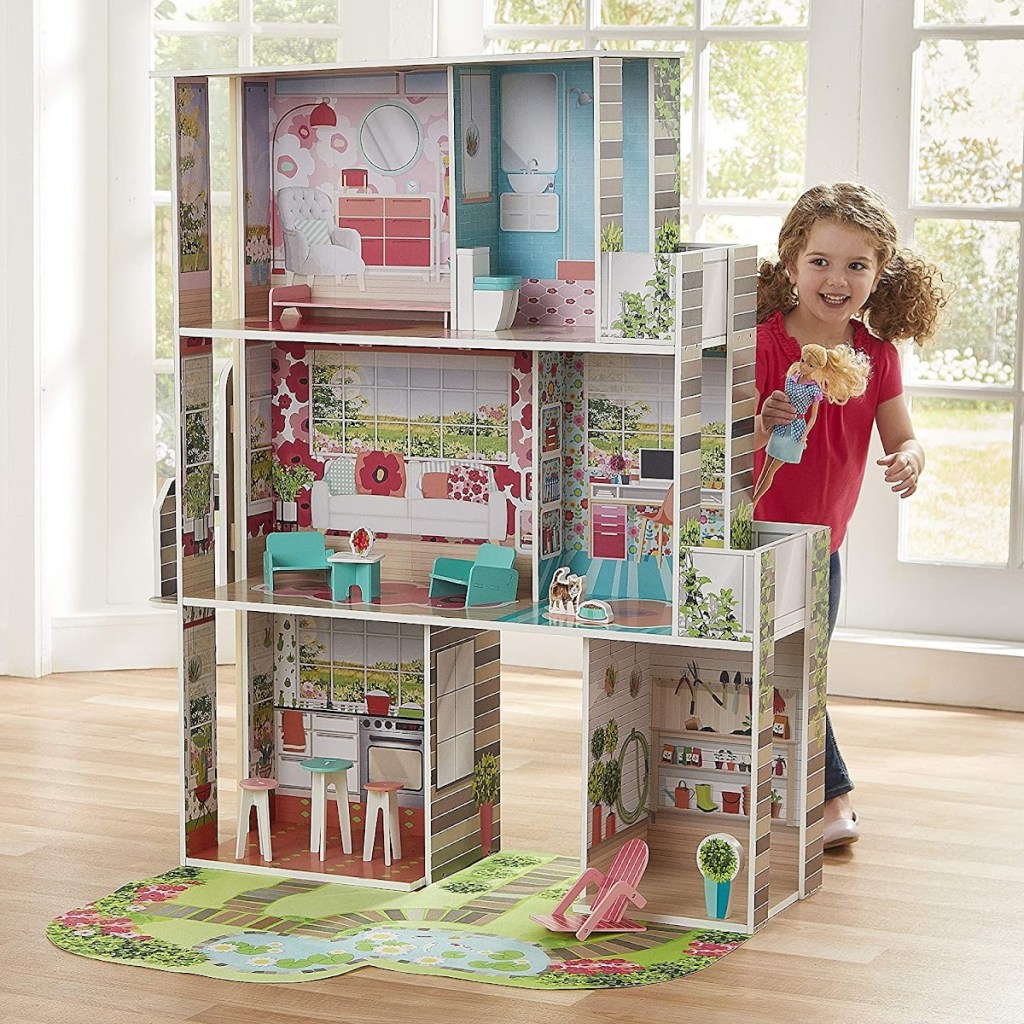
(704, 801)
(737, 682)
(700, 682)
(724, 680)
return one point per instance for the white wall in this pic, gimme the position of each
(76, 373)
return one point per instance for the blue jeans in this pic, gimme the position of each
(837, 779)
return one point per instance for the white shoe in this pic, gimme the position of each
(841, 832)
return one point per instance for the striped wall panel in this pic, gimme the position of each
(741, 351)
(199, 707)
(195, 470)
(764, 667)
(454, 820)
(666, 116)
(609, 93)
(816, 654)
(258, 629)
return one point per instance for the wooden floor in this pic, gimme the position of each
(921, 922)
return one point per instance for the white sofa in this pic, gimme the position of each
(412, 514)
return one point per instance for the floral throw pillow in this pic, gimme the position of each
(380, 473)
(468, 484)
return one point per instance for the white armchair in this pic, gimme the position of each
(310, 250)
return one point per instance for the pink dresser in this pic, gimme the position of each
(397, 231)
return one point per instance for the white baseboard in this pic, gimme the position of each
(140, 638)
(920, 669)
(532, 650)
(5, 668)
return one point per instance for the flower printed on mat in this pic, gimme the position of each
(380, 473)
(468, 484)
(612, 965)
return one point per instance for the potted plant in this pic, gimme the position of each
(485, 792)
(776, 804)
(611, 784)
(719, 857)
(595, 794)
(617, 465)
(288, 483)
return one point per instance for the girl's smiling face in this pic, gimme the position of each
(836, 273)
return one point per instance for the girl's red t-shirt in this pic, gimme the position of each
(822, 489)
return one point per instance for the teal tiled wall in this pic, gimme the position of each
(636, 177)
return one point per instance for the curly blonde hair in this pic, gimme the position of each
(842, 371)
(910, 292)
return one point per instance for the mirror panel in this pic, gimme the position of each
(529, 122)
(390, 138)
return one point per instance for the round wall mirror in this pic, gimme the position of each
(390, 138)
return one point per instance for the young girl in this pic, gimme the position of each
(838, 374)
(839, 258)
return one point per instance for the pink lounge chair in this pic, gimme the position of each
(614, 891)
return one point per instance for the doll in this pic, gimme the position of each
(837, 374)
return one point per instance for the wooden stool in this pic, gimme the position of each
(383, 797)
(254, 793)
(328, 771)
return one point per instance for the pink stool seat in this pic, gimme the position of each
(254, 793)
(381, 796)
(258, 784)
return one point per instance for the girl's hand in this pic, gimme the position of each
(777, 410)
(901, 470)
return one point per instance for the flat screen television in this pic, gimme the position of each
(656, 463)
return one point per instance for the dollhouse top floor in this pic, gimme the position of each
(504, 202)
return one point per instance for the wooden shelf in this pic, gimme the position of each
(717, 737)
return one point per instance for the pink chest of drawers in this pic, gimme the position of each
(397, 231)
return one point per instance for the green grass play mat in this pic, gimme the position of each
(245, 926)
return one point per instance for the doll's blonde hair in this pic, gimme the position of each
(909, 295)
(842, 371)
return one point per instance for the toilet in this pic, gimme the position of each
(484, 302)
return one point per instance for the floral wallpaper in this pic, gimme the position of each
(292, 439)
(193, 177)
(304, 155)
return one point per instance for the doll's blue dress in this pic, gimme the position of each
(786, 442)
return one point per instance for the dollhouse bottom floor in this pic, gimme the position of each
(290, 847)
(674, 888)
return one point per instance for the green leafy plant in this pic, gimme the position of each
(717, 859)
(611, 737)
(666, 238)
(709, 616)
(689, 532)
(485, 780)
(611, 783)
(290, 480)
(649, 314)
(741, 527)
(595, 782)
(776, 797)
(611, 238)
(597, 744)
(196, 493)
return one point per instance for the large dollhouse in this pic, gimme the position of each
(481, 386)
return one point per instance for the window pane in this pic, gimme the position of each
(274, 52)
(163, 244)
(973, 12)
(971, 122)
(961, 511)
(538, 12)
(760, 231)
(756, 12)
(532, 45)
(663, 13)
(755, 149)
(179, 53)
(166, 441)
(162, 134)
(977, 340)
(195, 10)
(313, 12)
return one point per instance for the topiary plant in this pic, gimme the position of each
(485, 780)
(717, 859)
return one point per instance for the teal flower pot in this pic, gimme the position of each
(716, 898)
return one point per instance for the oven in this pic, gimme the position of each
(391, 750)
